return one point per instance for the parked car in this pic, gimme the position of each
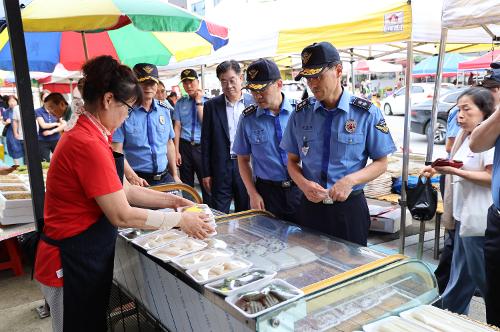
(421, 115)
(395, 103)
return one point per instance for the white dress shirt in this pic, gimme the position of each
(233, 112)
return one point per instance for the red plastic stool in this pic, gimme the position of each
(14, 257)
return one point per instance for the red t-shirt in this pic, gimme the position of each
(81, 169)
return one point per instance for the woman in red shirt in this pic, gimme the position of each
(85, 201)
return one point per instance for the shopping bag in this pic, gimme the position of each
(474, 212)
(422, 200)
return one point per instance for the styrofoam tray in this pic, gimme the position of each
(393, 323)
(159, 238)
(203, 257)
(436, 319)
(233, 298)
(165, 252)
(215, 285)
(243, 265)
(125, 233)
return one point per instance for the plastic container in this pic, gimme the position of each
(200, 258)
(221, 269)
(218, 286)
(130, 234)
(294, 291)
(394, 323)
(159, 238)
(177, 249)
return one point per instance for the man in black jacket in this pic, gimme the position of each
(221, 114)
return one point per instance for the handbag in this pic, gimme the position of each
(422, 200)
(4, 131)
(474, 214)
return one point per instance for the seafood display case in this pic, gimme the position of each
(259, 273)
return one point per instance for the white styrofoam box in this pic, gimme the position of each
(7, 201)
(388, 221)
(17, 220)
(26, 211)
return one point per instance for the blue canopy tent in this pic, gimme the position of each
(428, 66)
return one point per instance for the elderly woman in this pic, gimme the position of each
(463, 186)
(86, 201)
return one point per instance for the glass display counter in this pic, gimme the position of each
(344, 284)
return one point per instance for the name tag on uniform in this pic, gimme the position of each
(59, 273)
(162, 119)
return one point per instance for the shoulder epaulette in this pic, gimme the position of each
(300, 106)
(249, 110)
(162, 103)
(362, 103)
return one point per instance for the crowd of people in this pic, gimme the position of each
(303, 160)
(469, 261)
(51, 120)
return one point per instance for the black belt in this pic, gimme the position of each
(233, 156)
(329, 201)
(193, 143)
(281, 184)
(154, 176)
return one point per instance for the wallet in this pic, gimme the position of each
(447, 162)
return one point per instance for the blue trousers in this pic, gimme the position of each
(492, 259)
(468, 272)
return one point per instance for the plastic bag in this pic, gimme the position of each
(422, 200)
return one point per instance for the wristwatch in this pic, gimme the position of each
(199, 104)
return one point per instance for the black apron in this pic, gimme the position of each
(87, 262)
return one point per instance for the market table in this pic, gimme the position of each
(8, 236)
(394, 199)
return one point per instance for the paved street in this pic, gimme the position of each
(418, 143)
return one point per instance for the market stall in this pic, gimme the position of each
(323, 280)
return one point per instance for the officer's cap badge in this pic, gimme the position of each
(186, 71)
(305, 57)
(253, 73)
(148, 69)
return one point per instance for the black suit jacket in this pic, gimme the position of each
(215, 144)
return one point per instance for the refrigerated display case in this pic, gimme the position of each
(334, 276)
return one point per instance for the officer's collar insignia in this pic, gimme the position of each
(360, 102)
(249, 110)
(305, 57)
(148, 69)
(162, 103)
(185, 72)
(162, 119)
(382, 126)
(301, 105)
(350, 126)
(252, 73)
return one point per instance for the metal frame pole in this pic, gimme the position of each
(406, 145)
(437, 91)
(353, 78)
(23, 82)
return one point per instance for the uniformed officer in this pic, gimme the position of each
(146, 136)
(329, 139)
(259, 134)
(484, 137)
(188, 116)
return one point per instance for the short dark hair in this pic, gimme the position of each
(105, 74)
(56, 98)
(482, 98)
(226, 66)
(172, 94)
(161, 83)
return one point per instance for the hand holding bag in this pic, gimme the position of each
(422, 200)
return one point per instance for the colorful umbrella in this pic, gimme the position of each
(428, 66)
(131, 31)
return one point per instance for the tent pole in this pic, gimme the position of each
(23, 83)
(437, 90)
(406, 145)
(84, 41)
(352, 72)
(202, 72)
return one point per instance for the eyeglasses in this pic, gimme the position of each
(263, 91)
(130, 108)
